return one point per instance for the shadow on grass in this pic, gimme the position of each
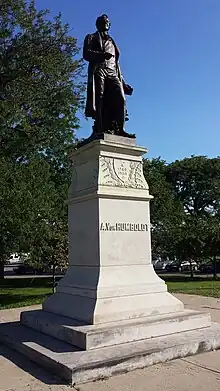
(10, 300)
(27, 282)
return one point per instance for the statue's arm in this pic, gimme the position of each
(128, 90)
(89, 54)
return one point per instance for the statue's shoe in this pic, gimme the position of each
(125, 134)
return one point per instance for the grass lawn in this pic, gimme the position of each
(203, 286)
(19, 292)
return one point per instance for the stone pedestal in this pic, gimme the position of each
(110, 276)
(111, 313)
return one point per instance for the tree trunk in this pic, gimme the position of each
(191, 269)
(54, 278)
(2, 269)
(214, 268)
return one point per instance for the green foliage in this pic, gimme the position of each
(166, 209)
(185, 212)
(41, 87)
(27, 196)
(49, 246)
(165, 205)
(196, 181)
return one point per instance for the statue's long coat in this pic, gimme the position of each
(93, 52)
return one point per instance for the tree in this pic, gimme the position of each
(185, 210)
(166, 209)
(196, 182)
(26, 192)
(41, 87)
(212, 241)
(49, 247)
(188, 239)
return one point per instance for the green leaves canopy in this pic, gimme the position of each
(41, 89)
(185, 212)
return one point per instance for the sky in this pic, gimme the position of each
(170, 54)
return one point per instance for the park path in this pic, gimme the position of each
(198, 373)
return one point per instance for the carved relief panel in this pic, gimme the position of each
(121, 173)
(106, 171)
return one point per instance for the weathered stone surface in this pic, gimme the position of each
(109, 138)
(119, 140)
(110, 276)
(110, 284)
(96, 336)
(77, 366)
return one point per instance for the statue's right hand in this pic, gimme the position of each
(108, 56)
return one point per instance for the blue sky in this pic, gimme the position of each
(170, 54)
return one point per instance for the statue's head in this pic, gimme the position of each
(103, 23)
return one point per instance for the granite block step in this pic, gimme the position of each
(89, 337)
(77, 366)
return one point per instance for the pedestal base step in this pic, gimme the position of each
(89, 337)
(77, 366)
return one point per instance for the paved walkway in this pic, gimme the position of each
(198, 373)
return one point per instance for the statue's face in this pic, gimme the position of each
(103, 24)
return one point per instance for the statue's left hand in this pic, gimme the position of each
(128, 90)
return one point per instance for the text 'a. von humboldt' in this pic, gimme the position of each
(126, 227)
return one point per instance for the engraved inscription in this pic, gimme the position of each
(122, 173)
(106, 171)
(124, 227)
(122, 169)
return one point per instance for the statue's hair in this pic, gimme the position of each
(99, 19)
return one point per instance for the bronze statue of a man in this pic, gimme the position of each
(106, 87)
